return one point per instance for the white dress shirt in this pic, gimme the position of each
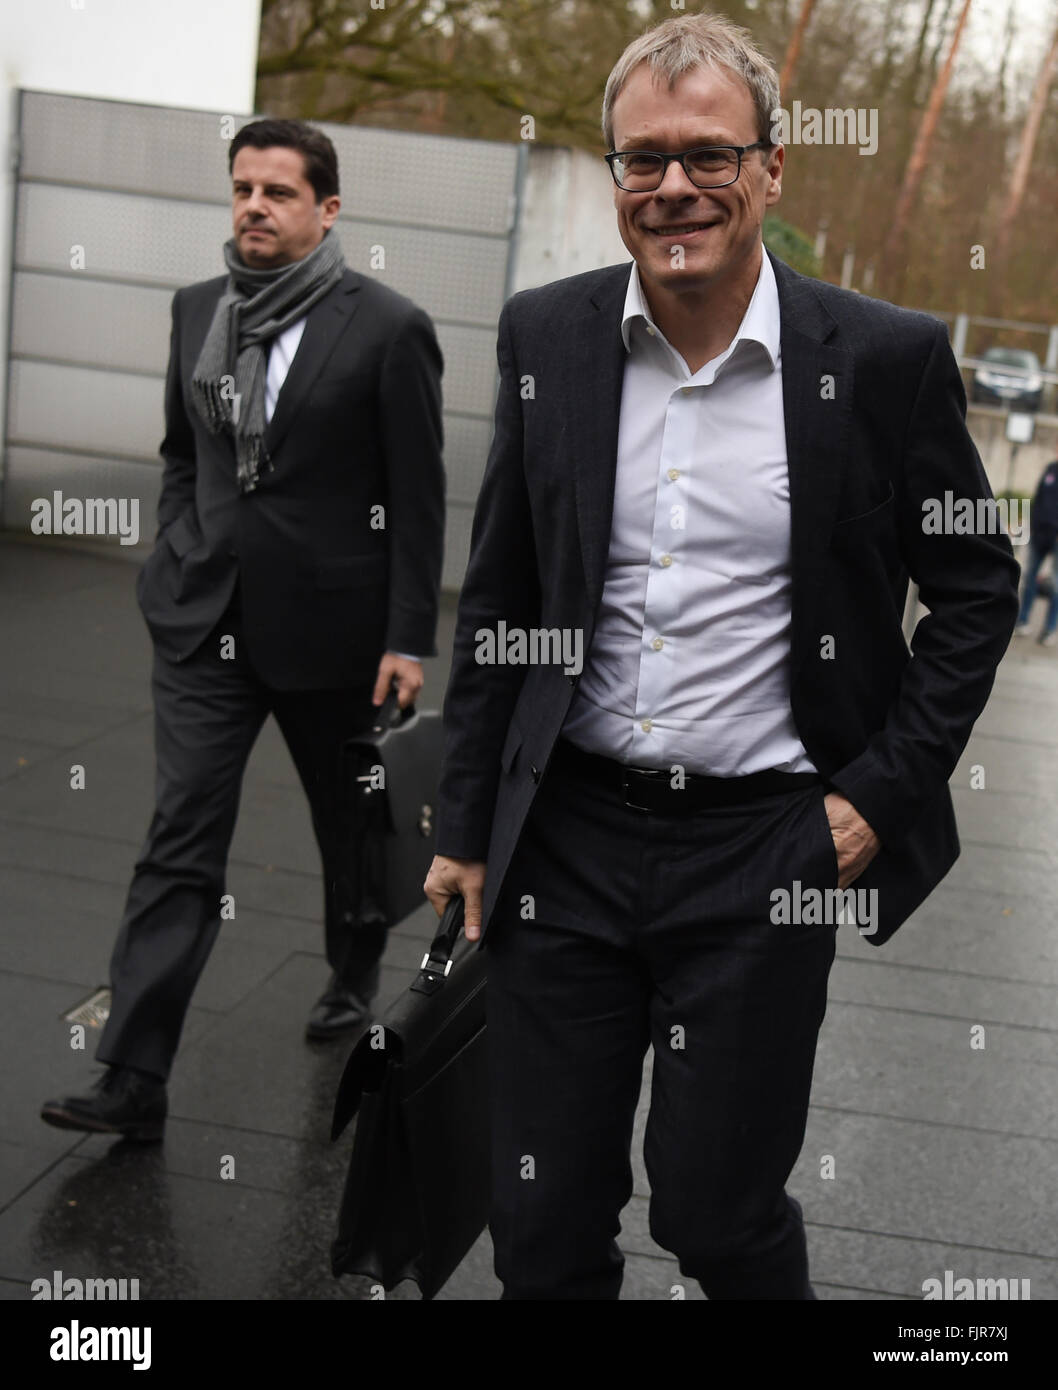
(689, 663)
(280, 355)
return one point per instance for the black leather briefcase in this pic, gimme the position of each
(417, 1192)
(391, 777)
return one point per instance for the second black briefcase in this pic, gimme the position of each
(391, 777)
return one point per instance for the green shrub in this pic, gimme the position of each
(791, 245)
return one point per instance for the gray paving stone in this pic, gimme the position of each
(957, 1187)
(1023, 710)
(474, 1279)
(121, 1217)
(915, 1066)
(953, 995)
(56, 928)
(21, 1165)
(61, 723)
(18, 754)
(971, 932)
(995, 868)
(265, 1162)
(1009, 766)
(62, 854)
(101, 681)
(657, 1279)
(1009, 819)
(896, 1267)
(254, 1070)
(834, 1293)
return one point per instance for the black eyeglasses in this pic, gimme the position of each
(711, 166)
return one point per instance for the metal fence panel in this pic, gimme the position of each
(385, 175)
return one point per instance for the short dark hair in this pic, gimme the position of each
(321, 161)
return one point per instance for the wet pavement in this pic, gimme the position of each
(925, 1151)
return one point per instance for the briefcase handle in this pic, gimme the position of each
(437, 961)
(389, 714)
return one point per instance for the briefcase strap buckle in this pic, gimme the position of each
(435, 966)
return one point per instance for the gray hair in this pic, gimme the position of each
(678, 45)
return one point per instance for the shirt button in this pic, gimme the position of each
(657, 644)
(666, 560)
(674, 473)
(647, 725)
(650, 329)
(687, 390)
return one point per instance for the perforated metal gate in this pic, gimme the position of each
(119, 204)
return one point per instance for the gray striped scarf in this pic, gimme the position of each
(228, 384)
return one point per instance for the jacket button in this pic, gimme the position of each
(534, 773)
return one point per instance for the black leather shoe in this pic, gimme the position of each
(122, 1101)
(341, 1008)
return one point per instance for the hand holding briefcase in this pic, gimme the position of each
(391, 777)
(417, 1192)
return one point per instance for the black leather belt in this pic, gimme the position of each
(651, 789)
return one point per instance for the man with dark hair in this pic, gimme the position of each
(296, 572)
(319, 158)
(716, 490)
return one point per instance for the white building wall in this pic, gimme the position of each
(191, 53)
(567, 221)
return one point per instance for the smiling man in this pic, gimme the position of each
(717, 478)
(296, 572)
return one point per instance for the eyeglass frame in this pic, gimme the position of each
(681, 159)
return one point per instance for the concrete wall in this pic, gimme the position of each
(1029, 460)
(567, 221)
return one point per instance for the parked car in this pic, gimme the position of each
(1012, 378)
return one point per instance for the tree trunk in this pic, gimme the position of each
(793, 48)
(916, 165)
(1027, 147)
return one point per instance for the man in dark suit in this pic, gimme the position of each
(708, 473)
(296, 572)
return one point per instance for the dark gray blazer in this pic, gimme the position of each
(357, 425)
(884, 728)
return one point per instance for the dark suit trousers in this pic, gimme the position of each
(654, 929)
(208, 711)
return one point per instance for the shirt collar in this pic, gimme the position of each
(760, 323)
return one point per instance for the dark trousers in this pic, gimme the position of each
(208, 711)
(650, 928)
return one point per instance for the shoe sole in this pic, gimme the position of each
(144, 1133)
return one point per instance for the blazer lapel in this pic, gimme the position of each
(326, 322)
(593, 404)
(817, 381)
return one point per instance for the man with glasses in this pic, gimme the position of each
(717, 477)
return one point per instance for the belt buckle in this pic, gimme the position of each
(626, 792)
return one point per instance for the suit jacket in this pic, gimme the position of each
(325, 589)
(884, 727)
